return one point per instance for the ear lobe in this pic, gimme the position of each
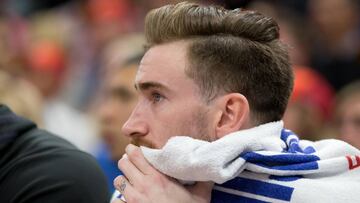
(235, 114)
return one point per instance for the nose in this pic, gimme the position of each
(136, 124)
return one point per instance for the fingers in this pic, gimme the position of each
(137, 158)
(129, 193)
(131, 172)
(135, 167)
(123, 186)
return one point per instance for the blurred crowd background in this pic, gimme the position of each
(58, 63)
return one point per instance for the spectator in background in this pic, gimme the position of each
(309, 109)
(47, 64)
(121, 60)
(120, 50)
(120, 99)
(35, 165)
(336, 42)
(294, 31)
(21, 96)
(347, 114)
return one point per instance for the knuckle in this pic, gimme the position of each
(122, 163)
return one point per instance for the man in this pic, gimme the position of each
(213, 87)
(119, 100)
(47, 68)
(347, 113)
(37, 167)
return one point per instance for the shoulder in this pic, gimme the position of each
(47, 167)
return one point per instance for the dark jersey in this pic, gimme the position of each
(39, 167)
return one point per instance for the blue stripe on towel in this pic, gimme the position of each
(285, 134)
(285, 178)
(309, 150)
(293, 144)
(257, 187)
(283, 161)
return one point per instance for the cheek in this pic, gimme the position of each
(190, 122)
(162, 129)
(180, 119)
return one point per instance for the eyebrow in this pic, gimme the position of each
(143, 86)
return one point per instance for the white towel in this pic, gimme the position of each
(323, 171)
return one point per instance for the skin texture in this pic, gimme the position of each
(115, 109)
(170, 104)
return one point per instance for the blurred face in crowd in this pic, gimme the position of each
(334, 17)
(348, 120)
(169, 101)
(47, 66)
(303, 119)
(120, 99)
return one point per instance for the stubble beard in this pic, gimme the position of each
(140, 142)
(197, 128)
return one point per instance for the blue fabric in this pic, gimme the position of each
(293, 143)
(108, 166)
(292, 158)
(242, 189)
(249, 190)
(283, 161)
(257, 187)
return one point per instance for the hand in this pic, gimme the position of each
(144, 184)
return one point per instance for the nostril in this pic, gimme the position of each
(136, 134)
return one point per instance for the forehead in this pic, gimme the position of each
(164, 64)
(351, 103)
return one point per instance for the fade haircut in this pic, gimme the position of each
(228, 51)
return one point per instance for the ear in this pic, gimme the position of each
(233, 115)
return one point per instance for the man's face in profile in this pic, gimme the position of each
(169, 101)
(115, 109)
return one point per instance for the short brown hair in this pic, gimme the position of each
(229, 51)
